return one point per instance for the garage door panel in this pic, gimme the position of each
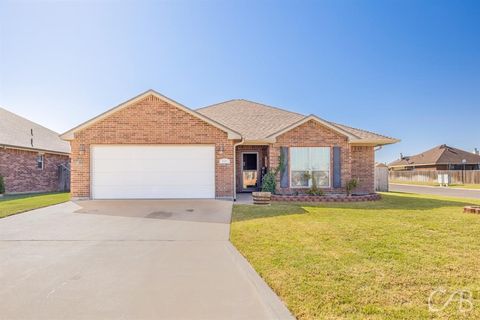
(141, 172)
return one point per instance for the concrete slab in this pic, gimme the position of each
(244, 198)
(117, 260)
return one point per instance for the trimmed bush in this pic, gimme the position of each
(351, 185)
(269, 182)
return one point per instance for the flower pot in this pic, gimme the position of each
(261, 197)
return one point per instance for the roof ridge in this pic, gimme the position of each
(255, 102)
(35, 123)
(273, 107)
(216, 104)
(371, 132)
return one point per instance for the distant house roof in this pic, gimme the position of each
(257, 122)
(442, 154)
(18, 132)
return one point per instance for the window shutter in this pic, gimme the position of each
(284, 174)
(337, 167)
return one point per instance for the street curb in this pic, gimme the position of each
(271, 301)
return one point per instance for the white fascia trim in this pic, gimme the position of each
(69, 135)
(6, 146)
(373, 142)
(260, 142)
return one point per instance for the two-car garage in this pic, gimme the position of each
(152, 171)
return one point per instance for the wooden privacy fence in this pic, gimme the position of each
(381, 179)
(63, 178)
(431, 176)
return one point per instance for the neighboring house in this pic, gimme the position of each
(442, 157)
(32, 157)
(154, 147)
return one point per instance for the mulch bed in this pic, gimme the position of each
(326, 198)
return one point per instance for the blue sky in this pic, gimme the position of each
(407, 69)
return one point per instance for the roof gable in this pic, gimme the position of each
(18, 132)
(260, 123)
(317, 119)
(69, 135)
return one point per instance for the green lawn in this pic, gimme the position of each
(377, 260)
(16, 204)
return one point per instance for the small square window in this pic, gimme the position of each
(40, 161)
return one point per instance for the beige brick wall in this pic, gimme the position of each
(150, 121)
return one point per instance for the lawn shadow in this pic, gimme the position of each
(9, 197)
(389, 201)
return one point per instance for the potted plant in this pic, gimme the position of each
(351, 185)
(2, 186)
(268, 188)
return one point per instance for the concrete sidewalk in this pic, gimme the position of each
(129, 260)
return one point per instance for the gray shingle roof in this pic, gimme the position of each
(256, 121)
(16, 131)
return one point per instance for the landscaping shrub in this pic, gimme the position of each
(351, 184)
(269, 182)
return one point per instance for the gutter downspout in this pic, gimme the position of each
(235, 168)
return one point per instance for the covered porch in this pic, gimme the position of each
(251, 165)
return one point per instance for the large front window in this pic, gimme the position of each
(309, 164)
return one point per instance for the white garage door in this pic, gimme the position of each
(149, 172)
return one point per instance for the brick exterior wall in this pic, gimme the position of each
(262, 154)
(150, 121)
(355, 161)
(21, 175)
(363, 168)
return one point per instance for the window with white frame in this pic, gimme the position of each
(308, 163)
(40, 161)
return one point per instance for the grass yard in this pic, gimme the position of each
(377, 260)
(16, 204)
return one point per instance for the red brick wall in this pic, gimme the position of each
(262, 153)
(356, 162)
(150, 121)
(363, 168)
(20, 172)
(312, 134)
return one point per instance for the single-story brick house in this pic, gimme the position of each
(441, 157)
(32, 157)
(153, 147)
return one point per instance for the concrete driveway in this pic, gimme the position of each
(128, 260)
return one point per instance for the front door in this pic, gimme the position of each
(249, 171)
